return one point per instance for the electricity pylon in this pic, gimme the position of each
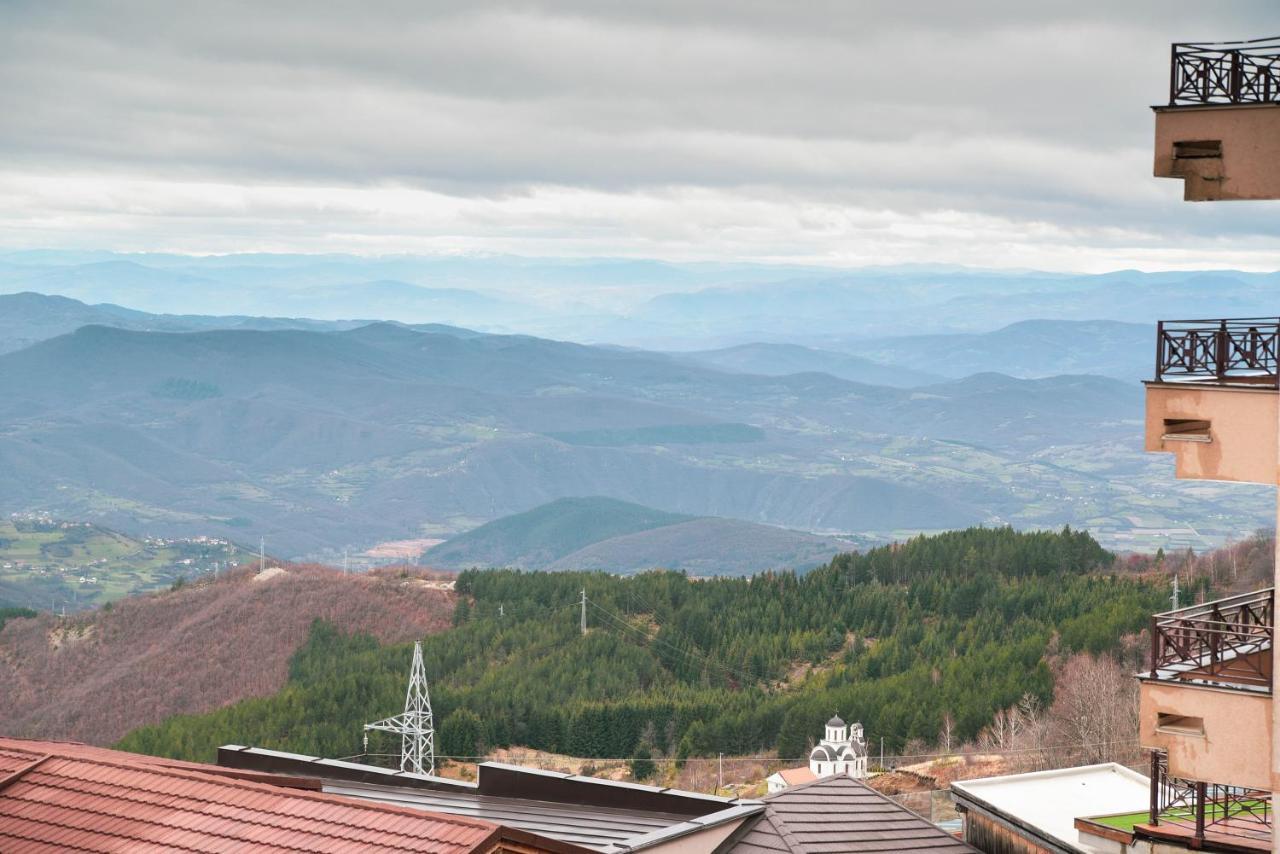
(415, 726)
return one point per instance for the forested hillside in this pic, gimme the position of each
(960, 625)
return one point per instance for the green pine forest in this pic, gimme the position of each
(956, 624)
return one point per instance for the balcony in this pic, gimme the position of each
(1225, 643)
(1213, 402)
(1225, 73)
(1206, 700)
(1206, 815)
(1240, 351)
(1220, 131)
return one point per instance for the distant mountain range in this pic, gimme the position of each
(603, 533)
(644, 303)
(324, 435)
(775, 360)
(1029, 348)
(27, 318)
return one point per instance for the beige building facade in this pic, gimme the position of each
(1206, 703)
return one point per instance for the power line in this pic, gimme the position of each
(687, 652)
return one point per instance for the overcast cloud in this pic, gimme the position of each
(993, 133)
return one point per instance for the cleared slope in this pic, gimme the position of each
(95, 676)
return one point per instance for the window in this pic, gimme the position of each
(1186, 430)
(1176, 724)
(1197, 149)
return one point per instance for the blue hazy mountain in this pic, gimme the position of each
(1029, 348)
(324, 439)
(604, 533)
(323, 434)
(643, 303)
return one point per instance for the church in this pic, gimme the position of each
(842, 751)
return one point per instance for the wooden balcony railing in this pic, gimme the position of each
(1227, 641)
(1225, 73)
(1242, 351)
(1207, 810)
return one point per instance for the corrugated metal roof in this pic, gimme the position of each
(594, 827)
(604, 815)
(840, 814)
(71, 797)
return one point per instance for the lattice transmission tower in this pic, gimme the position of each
(415, 725)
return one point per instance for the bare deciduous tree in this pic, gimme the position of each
(1094, 716)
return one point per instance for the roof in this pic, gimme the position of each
(495, 778)
(840, 814)
(604, 815)
(60, 796)
(593, 827)
(841, 753)
(796, 776)
(1047, 803)
(835, 721)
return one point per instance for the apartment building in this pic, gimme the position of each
(1207, 710)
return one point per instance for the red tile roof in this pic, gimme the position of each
(71, 797)
(796, 776)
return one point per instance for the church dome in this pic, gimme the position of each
(835, 722)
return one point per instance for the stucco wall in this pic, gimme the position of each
(1250, 164)
(1236, 745)
(1242, 431)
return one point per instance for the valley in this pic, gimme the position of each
(62, 565)
(327, 440)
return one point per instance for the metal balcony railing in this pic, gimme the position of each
(1243, 351)
(1224, 642)
(1225, 73)
(1202, 810)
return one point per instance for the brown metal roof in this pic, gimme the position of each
(71, 797)
(604, 815)
(840, 814)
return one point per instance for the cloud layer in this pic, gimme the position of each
(837, 132)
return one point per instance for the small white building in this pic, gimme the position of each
(842, 751)
(787, 777)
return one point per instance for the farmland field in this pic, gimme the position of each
(48, 563)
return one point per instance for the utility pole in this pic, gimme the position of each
(262, 554)
(882, 753)
(720, 775)
(1174, 597)
(345, 566)
(584, 611)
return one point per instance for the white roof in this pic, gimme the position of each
(1051, 801)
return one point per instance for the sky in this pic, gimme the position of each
(996, 134)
